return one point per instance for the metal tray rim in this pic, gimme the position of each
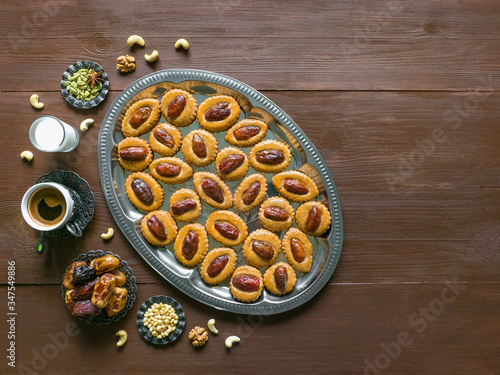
(335, 238)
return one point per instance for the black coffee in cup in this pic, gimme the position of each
(47, 206)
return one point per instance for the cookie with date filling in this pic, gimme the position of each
(298, 250)
(218, 265)
(217, 113)
(280, 278)
(261, 248)
(226, 227)
(141, 117)
(134, 154)
(185, 205)
(199, 148)
(191, 244)
(295, 185)
(231, 164)
(144, 192)
(276, 214)
(165, 139)
(159, 228)
(250, 193)
(270, 156)
(246, 132)
(313, 218)
(212, 190)
(179, 107)
(171, 170)
(246, 284)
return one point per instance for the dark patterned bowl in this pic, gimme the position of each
(130, 285)
(84, 64)
(144, 331)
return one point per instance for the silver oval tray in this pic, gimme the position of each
(305, 157)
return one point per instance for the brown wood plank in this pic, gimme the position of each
(410, 233)
(296, 45)
(447, 329)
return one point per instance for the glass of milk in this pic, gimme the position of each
(50, 134)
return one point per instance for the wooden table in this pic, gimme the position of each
(401, 99)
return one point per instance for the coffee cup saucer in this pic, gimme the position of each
(84, 211)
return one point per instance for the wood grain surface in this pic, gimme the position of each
(400, 98)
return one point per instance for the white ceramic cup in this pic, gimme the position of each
(73, 228)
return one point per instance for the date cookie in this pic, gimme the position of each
(171, 170)
(185, 205)
(246, 284)
(226, 227)
(261, 248)
(298, 250)
(218, 113)
(270, 156)
(218, 265)
(231, 164)
(159, 228)
(295, 185)
(212, 190)
(191, 244)
(246, 132)
(313, 218)
(199, 148)
(165, 139)
(134, 154)
(179, 107)
(144, 192)
(141, 117)
(280, 279)
(276, 214)
(250, 193)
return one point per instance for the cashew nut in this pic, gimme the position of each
(122, 337)
(35, 103)
(84, 126)
(28, 155)
(153, 57)
(182, 43)
(231, 340)
(108, 235)
(211, 326)
(135, 39)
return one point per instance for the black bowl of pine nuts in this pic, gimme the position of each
(161, 320)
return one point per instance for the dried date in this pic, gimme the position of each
(168, 169)
(276, 213)
(190, 244)
(297, 249)
(246, 132)
(162, 136)
(246, 283)
(176, 106)
(230, 163)
(217, 265)
(313, 220)
(142, 191)
(156, 228)
(134, 153)
(140, 117)
(199, 147)
(251, 193)
(295, 186)
(281, 278)
(263, 249)
(183, 206)
(270, 157)
(227, 230)
(218, 112)
(212, 189)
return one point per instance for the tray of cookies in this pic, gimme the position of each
(220, 191)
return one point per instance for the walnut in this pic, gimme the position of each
(198, 336)
(125, 64)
